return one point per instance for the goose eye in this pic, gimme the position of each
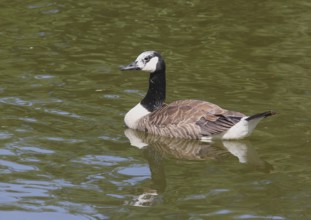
(146, 59)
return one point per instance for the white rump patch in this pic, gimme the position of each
(241, 129)
(132, 118)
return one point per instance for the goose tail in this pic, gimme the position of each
(246, 126)
(260, 115)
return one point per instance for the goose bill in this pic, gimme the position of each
(132, 66)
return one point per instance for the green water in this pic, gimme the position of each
(63, 151)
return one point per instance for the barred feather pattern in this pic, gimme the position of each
(191, 119)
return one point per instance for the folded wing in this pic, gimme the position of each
(189, 119)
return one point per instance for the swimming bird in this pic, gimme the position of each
(190, 119)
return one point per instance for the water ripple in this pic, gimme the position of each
(250, 216)
(37, 150)
(62, 113)
(16, 167)
(44, 76)
(21, 147)
(43, 215)
(102, 160)
(15, 101)
(64, 140)
(5, 152)
(135, 173)
(5, 135)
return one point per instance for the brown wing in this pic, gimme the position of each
(194, 116)
(183, 111)
(219, 124)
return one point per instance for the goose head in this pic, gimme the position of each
(148, 61)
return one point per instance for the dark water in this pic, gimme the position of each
(63, 151)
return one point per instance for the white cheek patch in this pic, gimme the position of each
(151, 66)
(140, 64)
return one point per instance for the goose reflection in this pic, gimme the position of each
(156, 149)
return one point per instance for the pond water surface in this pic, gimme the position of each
(64, 149)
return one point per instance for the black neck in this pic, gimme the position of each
(155, 96)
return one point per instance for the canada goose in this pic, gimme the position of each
(191, 119)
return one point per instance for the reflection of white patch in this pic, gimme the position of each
(207, 139)
(134, 139)
(237, 149)
(132, 118)
(146, 199)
